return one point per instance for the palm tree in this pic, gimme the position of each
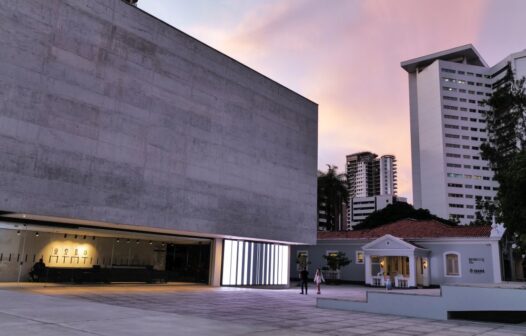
(333, 194)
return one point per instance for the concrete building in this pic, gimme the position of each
(361, 207)
(388, 180)
(372, 184)
(447, 115)
(411, 253)
(362, 174)
(132, 151)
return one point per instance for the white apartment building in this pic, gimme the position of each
(388, 183)
(372, 184)
(447, 116)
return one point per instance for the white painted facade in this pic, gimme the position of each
(388, 180)
(447, 115)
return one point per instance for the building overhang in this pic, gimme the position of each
(26, 221)
(466, 53)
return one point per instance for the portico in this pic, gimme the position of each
(405, 264)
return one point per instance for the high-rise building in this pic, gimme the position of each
(362, 177)
(369, 177)
(388, 183)
(447, 90)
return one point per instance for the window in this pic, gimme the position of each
(452, 264)
(360, 257)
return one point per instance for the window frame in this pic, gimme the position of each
(459, 264)
(356, 257)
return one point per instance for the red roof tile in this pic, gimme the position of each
(410, 228)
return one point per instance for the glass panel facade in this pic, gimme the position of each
(248, 263)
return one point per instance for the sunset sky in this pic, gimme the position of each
(345, 55)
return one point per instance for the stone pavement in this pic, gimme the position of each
(200, 310)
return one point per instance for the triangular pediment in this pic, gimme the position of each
(389, 242)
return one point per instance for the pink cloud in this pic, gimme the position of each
(346, 55)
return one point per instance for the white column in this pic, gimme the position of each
(216, 262)
(368, 276)
(495, 257)
(412, 272)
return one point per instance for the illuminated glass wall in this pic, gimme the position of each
(251, 264)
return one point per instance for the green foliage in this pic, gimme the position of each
(397, 211)
(506, 152)
(302, 261)
(337, 261)
(332, 194)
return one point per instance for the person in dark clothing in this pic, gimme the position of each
(304, 279)
(38, 270)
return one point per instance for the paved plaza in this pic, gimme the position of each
(200, 310)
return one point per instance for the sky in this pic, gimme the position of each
(345, 55)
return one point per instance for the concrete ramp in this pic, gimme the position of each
(506, 297)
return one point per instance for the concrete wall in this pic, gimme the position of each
(431, 144)
(452, 298)
(108, 114)
(351, 272)
(473, 259)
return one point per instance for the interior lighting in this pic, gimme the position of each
(118, 240)
(36, 234)
(425, 264)
(150, 242)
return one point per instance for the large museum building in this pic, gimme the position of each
(134, 152)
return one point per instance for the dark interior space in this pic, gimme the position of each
(188, 263)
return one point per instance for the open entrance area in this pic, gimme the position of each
(53, 253)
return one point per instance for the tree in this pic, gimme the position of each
(332, 195)
(335, 261)
(506, 152)
(397, 211)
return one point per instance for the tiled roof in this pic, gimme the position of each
(410, 228)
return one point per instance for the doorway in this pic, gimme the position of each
(188, 262)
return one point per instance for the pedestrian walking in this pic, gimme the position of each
(318, 279)
(304, 279)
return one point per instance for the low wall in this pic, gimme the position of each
(452, 298)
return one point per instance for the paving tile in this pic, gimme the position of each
(199, 310)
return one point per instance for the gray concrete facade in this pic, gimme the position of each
(108, 114)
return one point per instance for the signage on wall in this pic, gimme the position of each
(476, 265)
(69, 256)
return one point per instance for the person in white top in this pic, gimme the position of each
(318, 279)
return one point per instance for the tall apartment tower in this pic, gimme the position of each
(447, 116)
(372, 184)
(362, 174)
(387, 180)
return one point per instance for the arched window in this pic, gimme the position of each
(452, 264)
